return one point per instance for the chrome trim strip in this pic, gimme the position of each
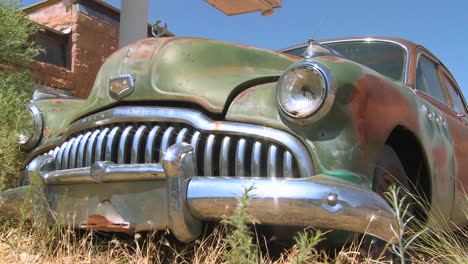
(256, 156)
(271, 161)
(240, 157)
(287, 165)
(111, 143)
(199, 121)
(150, 142)
(136, 145)
(99, 150)
(81, 150)
(224, 157)
(209, 148)
(294, 203)
(90, 148)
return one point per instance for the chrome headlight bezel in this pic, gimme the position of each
(323, 105)
(31, 141)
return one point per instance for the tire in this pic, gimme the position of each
(388, 171)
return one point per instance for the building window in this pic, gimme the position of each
(56, 49)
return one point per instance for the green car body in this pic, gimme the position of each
(314, 171)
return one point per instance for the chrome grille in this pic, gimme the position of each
(216, 154)
(142, 134)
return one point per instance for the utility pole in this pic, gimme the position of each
(133, 21)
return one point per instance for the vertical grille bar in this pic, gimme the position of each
(90, 147)
(209, 148)
(194, 142)
(224, 157)
(81, 150)
(150, 143)
(66, 153)
(136, 145)
(100, 147)
(271, 161)
(55, 153)
(181, 136)
(256, 156)
(112, 140)
(287, 165)
(166, 139)
(74, 150)
(123, 143)
(60, 156)
(240, 157)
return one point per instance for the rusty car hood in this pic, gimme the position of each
(194, 70)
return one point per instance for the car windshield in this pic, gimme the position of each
(386, 58)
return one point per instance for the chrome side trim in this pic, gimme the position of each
(200, 122)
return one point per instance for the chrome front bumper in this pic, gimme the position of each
(168, 195)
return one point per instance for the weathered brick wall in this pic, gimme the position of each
(91, 42)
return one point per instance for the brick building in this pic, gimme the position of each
(76, 41)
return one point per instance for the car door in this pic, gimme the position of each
(459, 132)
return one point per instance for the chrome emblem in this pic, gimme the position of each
(121, 86)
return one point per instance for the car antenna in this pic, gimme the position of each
(314, 49)
(311, 38)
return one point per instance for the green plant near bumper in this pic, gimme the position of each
(241, 248)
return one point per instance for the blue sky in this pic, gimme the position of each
(440, 26)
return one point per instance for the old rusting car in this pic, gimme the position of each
(176, 128)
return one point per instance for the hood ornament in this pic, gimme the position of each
(121, 86)
(314, 49)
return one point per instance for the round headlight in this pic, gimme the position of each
(302, 90)
(32, 128)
